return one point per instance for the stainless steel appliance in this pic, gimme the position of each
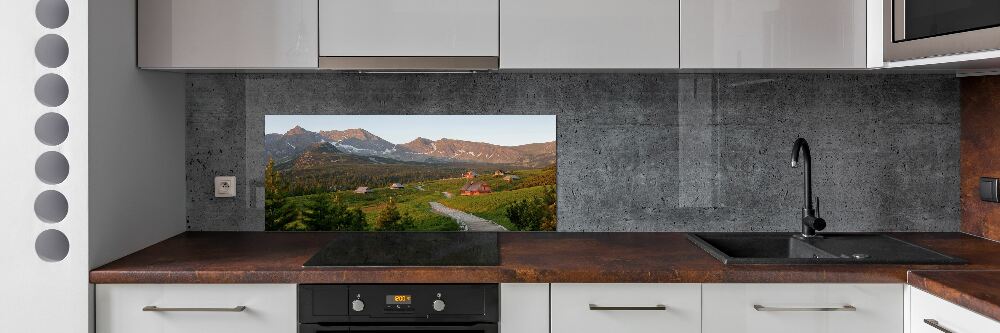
(453, 308)
(916, 29)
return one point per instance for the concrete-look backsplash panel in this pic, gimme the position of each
(637, 152)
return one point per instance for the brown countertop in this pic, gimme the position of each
(273, 257)
(978, 291)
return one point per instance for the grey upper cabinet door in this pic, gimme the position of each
(779, 34)
(589, 34)
(220, 34)
(393, 28)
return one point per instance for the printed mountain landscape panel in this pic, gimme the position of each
(410, 173)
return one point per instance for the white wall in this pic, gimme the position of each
(137, 192)
(138, 131)
(38, 295)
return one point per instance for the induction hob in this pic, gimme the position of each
(408, 249)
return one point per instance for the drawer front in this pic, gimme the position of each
(803, 308)
(633, 308)
(947, 316)
(269, 308)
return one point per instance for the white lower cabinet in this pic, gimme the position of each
(803, 308)
(524, 307)
(930, 314)
(569, 308)
(187, 308)
(627, 307)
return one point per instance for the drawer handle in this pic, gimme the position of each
(769, 308)
(159, 309)
(934, 323)
(595, 307)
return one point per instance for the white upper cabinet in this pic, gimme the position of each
(589, 34)
(227, 34)
(511, 34)
(409, 28)
(779, 34)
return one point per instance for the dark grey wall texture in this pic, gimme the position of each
(637, 152)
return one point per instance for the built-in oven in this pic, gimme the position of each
(377, 308)
(916, 29)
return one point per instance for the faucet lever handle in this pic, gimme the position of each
(817, 206)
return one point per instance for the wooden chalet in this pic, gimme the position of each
(476, 188)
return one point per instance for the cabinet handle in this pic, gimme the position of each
(159, 309)
(934, 323)
(768, 308)
(595, 307)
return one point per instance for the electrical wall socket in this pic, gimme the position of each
(988, 189)
(225, 186)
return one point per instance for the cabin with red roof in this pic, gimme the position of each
(476, 188)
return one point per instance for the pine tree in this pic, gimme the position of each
(390, 219)
(536, 214)
(273, 186)
(300, 222)
(329, 214)
(549, 201)
(274, 198)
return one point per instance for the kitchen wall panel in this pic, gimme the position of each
(980, 150)
(637, 152)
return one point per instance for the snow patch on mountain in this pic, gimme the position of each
(363, 143)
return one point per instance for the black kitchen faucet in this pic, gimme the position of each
(810, 222)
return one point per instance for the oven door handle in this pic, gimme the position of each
(323, 329)
(484, 328)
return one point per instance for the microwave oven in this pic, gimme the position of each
(915, 29)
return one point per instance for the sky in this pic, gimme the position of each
(504, 130)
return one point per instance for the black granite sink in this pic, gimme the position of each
(833, 248)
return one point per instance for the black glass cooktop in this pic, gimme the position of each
(409, 249)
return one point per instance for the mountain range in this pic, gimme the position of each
(297, 141)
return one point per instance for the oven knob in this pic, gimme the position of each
(438, 305)
(358, 305)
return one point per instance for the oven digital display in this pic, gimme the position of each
(398, 299)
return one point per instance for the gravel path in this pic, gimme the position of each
(467, 221)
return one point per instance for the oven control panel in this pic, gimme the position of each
(420, 300)
(399, 303)
(424, 302)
